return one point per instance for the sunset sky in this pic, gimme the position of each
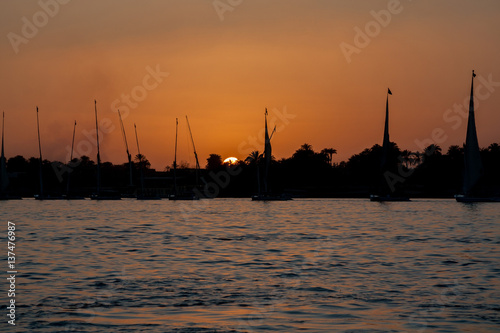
(223, 62)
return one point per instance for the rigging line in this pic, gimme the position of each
(124, 135)
(197, 166)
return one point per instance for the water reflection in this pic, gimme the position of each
(237, 266)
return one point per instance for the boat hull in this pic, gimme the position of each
(184, 197)
(10, 197)
(466, 199)
(262, 197)
(140, 197)
(74, 197)
(104, 197)
(387, 198)
(49, 197)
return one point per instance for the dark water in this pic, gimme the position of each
(231, 265)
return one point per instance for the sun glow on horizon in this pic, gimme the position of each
(231, 160)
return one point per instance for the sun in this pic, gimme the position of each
(231, 160)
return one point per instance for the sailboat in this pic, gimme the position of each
(473, 165)
(42, 195)
(177, 195)
(68, 195)
(197, 168)
(142, 195)
(385, 155)
(129, 158)
(266, 195)
(101, 195)
(4, 177)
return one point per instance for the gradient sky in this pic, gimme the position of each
(285, 55)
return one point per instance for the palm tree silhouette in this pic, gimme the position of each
(329, 152)
(140, 158)
(432, 149)
(494, 148)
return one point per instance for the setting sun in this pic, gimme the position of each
(231, 160)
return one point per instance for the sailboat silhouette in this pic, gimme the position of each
(177, 195)
(68, 195)
(266, 195)
(473, 165)
(385, 157)
(101, 195)
(42, 195)
(129, 156)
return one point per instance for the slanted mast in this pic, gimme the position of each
(98, 151)
(175, 156)
(129, 156)
(71, 159)
(267, 151)
(195, 154)
(40, 152)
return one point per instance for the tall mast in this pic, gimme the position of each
(40, 151)
(98, 151)
(175, 157)
(71, 158)
(195, 154)
(126, 147)
(267, 152)
(473, 165)
(386, 142)
(140, 160)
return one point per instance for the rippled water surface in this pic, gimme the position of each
(233, 265)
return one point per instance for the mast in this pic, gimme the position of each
(386, 142)
(195, 154)
(126, 147)
(267, 152)
(40, 151)
(473, 165)
(4, 179)
(98, 151)
(71, 158)
(175, 157)
(140, 160)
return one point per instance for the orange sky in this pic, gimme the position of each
(285, 55)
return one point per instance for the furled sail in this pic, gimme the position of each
(473, 165)
(386, 142)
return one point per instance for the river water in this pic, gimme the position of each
(233, 265)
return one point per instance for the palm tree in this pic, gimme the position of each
(306, 147)
(304, 152)
(214, 161)
(494, 148)
(253, 157)
(432, 149)
(140, 158)
(329, 152)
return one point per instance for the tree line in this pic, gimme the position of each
(307, 173)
